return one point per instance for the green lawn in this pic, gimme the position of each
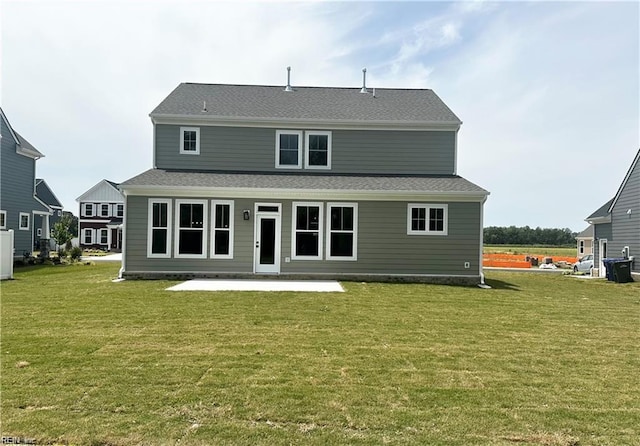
(537, 360)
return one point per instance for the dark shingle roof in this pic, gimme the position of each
(602, 211)
(346, 183)
(45, 194)
(306, 103)
(587, 233)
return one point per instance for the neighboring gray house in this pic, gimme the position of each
(101, 213)
(585, 242)
(18, 202)
(46, 196)
(617, 222)
(317, 182)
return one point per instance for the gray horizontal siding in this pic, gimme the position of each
(17, 186)
(353, 152)
(625, 227)
(383, 244)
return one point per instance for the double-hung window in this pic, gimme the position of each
(104, 236)
(427, 219)
(288, 149)
(342, 231)
(159, 228)
(88, 209)
(24, 221)
(190, 140)
(87, 236)
(307, 234)
(317, 150)
(191, 236)
(222, 229)
(104, 210)
(3, 219)
(119, 210)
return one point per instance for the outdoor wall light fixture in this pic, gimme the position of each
(246, 214)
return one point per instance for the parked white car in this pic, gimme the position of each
(584, 264)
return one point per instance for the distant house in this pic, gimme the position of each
(46, 196)
(19, 204)
(617, 222)
(342, 183)
(101, 213)
(585, 242)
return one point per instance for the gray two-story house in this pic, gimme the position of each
(616, 224)
(43, 225)
(304, 182)
(18, 202)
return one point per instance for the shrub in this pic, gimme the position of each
(75, 253)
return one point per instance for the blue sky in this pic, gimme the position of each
(548, 92)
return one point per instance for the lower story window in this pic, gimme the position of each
(24, 221)
(3, 219)
(87, 237)
(159, 228)
(307, 233)
(104, 236)
(427, 219)
(191, 221)
(342, 231)
(222, 229)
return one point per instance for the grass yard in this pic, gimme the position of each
(539, 250)
(537, 360)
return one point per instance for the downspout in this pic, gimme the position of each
(482, 283)
(124, 235)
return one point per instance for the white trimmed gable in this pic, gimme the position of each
(104, 191)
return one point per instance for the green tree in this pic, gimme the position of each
(63, 230)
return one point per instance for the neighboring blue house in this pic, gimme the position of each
(18, 202)
(304, 182)
(42, 229)
(617, 222)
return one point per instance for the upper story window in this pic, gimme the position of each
(317, 150)
(190, 140)
(289, 149)
(87, 209)
(24, 221)
(104, 210)
(119, 210)
(427, 219)
(3, 219)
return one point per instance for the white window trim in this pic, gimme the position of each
(118, 213)
(300, 151)
(24, 228)
(213, 229)
(84, 209)
(294, 231)
(176, 241)
(306, 149)
(108, 214)
(100, 232)
(84, 236)
(4, 219)
(150, 228)
(355, 231)
(427, 207)
(190, 129)
(581, 247)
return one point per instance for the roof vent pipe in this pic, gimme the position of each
(364, 81)
(288, 87)
(204, 106)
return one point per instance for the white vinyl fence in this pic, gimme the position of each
(6, 254)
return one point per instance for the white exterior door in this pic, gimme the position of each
(267, 238)
(602, 254)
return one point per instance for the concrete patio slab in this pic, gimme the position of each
(317, 286)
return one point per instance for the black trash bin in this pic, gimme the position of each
(608, 266)
(622, 271)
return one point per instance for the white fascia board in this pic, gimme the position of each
(303, 194)
(624, 182)
(598, 220)
(88, 193)
(29, 153)
(304, 124)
